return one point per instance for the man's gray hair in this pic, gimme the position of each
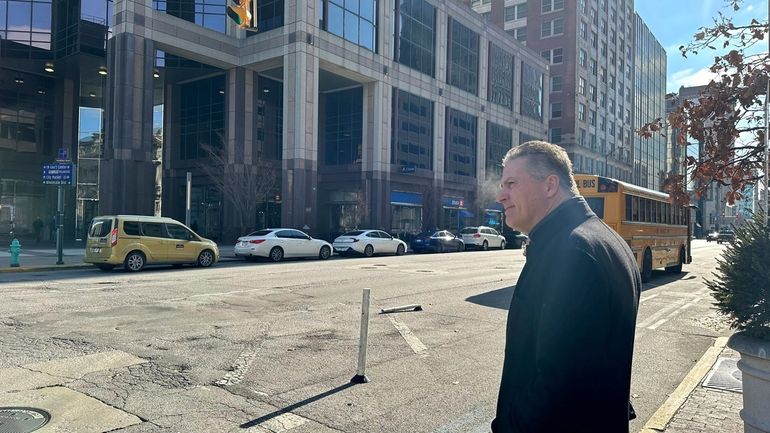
(543, 160)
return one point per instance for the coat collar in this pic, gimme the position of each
(567, 215)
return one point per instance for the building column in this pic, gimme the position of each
(300, 139)
(377, 152)
(130, 186)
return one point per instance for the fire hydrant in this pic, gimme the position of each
(15, 250)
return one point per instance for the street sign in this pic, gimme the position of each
(62, 155)
(58, 173)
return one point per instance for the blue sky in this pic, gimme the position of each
(675, 22)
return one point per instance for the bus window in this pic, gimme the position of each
(628, 207)
(597, 205)
(643, 215)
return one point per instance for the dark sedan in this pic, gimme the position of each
(438, 241)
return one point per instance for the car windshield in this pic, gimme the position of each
(354, 233)
(260, 233)
(469, 230)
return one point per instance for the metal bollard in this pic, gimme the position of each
(360, 376)
(15, 250)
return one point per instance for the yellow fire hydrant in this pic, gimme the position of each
(15, 250)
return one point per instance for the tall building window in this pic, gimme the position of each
(500, 87)
(554, 56)
(28, 28)
(592, 92)
(460, 153)
(556, 83)
(521, 34)
(552, 5)
(584, 30)
(205, 13)
(555, 110)
(552, 28)
(415, 40)
(515, 12)
(555, 134)
(202, 117)
(581, 85)
(355, 21)
(499, 141)
(412, 131)
(582, 57)
(343, 128)
(463, 63)
(269, 16)
(582, 112)
(531, 92)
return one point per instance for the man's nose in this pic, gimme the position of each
(499, 197)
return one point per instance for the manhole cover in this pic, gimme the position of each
(725, 376)
(22, 419)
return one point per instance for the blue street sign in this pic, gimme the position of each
(58, 173)
(62, 155)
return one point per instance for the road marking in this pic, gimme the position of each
(660, 419)
(240, 367)
(281, 423)
(410, 338)
(655, 317)
(674, 313)
(649, 297)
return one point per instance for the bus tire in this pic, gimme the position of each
(647, 266)
(677, 269)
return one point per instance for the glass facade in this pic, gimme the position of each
(500, 86)
(499, 142)
(412, 131)
(415, 40)
(355, 21)
(268, 139)
(342, 129)
(202, 117)
(206, 13)
(463, 58)
(531, 92)
(650, 155)
(460, 153)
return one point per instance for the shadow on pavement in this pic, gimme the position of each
(661, 278)
(296, 405)
(500, 298)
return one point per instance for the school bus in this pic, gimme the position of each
(655, 229)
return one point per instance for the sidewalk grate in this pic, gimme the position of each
(22, 419)
(725, 376)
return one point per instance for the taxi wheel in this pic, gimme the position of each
(369, 251)
(400, 250)
(134, 261)
(325, 253)
(205, 259)
(276, 254)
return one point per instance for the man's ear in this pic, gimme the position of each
(552, 185)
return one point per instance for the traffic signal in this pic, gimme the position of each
(240, 13)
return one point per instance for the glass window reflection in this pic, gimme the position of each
(416, 35)
(353, 20)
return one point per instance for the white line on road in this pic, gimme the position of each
(240, 367)
(410, 338)
(663, 311)
(647, 298)
(674, 313)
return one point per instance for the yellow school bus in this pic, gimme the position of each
(655, 229)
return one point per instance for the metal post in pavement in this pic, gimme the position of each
(60, 225)
(360, 376)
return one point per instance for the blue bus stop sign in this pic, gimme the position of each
(58, 173)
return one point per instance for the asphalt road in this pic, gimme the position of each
(272, 347)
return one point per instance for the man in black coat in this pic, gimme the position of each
(571, 323)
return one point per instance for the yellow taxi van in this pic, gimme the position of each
(133, 241)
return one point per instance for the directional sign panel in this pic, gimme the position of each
(59, 173)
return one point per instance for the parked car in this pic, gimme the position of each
(277, 244)
(713, 236)
(134, 241)
(438, 241)
(368, 243)
(482, 237)
(725, 235)
(515, 239)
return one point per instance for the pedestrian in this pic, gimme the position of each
(37, 225)
(571, 322)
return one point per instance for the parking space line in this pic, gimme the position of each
(674, 313)
(663, 311)
(410, 338)
(647, 298)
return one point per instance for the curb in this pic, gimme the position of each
(44, 268)
(660, 419)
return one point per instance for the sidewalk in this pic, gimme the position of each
(708, 400)
(41, 258)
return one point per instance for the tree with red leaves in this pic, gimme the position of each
(728, 118)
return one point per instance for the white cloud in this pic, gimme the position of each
(749, 8)
(689, 77)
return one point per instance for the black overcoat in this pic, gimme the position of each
(570, 332)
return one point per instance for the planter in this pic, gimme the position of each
(755, 368)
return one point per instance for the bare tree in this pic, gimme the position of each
(728, 118)
(244, 186)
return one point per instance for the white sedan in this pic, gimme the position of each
(369, 243)
(277, 244)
